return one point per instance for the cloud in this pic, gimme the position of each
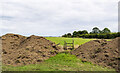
(57, 17)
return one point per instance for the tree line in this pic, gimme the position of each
(95, 33)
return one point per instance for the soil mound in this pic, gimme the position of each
(20, 50)
(100, 52)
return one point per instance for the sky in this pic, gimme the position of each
(56, 17)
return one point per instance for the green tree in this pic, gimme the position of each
(84, 32)
(95, 30)
(69, 35)
(79, 32)
(75, 34)
(64, 35)
(106, 30)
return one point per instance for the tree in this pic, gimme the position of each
(84, 32)
(79, 32)
(106, 30)
(64, 35)
(69, 35)
(75, 34)
(95, 30)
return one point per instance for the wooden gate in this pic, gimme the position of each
(69, 45)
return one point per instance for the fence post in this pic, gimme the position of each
(73, 44)
(65, 45)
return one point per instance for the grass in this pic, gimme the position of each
(60, 62)
(77, 41)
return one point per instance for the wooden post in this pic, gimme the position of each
(65, 46)
(73, 44)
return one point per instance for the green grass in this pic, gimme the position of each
(77, 41)
(60, 62)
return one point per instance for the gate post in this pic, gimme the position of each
(73, 44)
(65, 45)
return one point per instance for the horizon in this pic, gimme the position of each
(42, 35)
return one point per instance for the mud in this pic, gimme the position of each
(19, 50)
(100, 52)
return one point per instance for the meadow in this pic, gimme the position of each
(62, 61)
(77, 41)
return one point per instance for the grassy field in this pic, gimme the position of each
(77, 41)
(60, 62)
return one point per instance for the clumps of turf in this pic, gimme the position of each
(18, 50)
(100, 52)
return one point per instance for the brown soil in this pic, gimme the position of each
(100, 52)
(19, 50)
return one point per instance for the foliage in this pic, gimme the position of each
(101, 36)
(67, 35)
(96, 33)
(95, 30)
(106, 30)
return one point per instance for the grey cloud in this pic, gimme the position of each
(6, 17)
(56, 17)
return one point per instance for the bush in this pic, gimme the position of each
(96, 33)
(101, 36)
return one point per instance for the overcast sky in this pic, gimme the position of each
(56, 17)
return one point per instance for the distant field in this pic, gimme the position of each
(77, 41)
(60, 62)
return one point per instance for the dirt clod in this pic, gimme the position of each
(19, 50)
(100, 52)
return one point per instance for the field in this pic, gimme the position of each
(77, 41)
(60, 62)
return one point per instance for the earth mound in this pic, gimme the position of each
(100, 52)
(19, 50)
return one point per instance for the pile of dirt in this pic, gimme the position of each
(19, 50)
(100, 52)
